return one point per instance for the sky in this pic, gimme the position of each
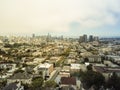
(60, 17)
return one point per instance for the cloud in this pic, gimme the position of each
(23, 16)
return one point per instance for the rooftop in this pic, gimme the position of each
(75, 66)
(45, 65)
(107, 69)
(68, 80)
(21, 76)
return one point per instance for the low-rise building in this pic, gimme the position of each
(75, 67)
(45, 68)
(7, 66)
(68, 83)
(94, 58)
(65, 72)
(14, 86)
(20, 77)
(107, 71)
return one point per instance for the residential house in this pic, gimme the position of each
(107, 71)
(65, 72)
(45, 68)
(94, 58)
(7, 66)
(75, 67)
(68, 83)
(20, 77)
(14, 86)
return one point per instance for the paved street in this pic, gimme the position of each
(54, 73)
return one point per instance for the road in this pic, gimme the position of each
(55, 73)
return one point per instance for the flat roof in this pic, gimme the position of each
(45, 65)
(75, 66)
(107, 69)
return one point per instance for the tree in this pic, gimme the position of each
(60, 62)
(18, 71)
(26, 86)
(89, 67)
(102, 59)
(91, 78)
(37, 83)
(114, 82)
(2, 84)
(24, 65)
(51, 84)
(2, 52)
(86, 60)
(66, 52)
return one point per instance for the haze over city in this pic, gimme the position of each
(60, 17)
(59, 45)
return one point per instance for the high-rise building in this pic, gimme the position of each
(48, 38)
(84, 38)
(80, 39)
(33, 35)
(96, 38)
(91, 38)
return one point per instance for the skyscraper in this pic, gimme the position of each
(91, 38)
(33, 35)
(80, 39)
(84, 38)
(96, 38)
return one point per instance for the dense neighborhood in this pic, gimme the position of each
(59, 63)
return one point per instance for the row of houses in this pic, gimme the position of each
(107, 71)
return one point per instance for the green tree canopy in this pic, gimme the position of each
(50, 83)
(86, 59)
(19, 70)
(89, 67)
(114, 81)
(90, 78)
(37, 83)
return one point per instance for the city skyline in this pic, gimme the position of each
(60, 17)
